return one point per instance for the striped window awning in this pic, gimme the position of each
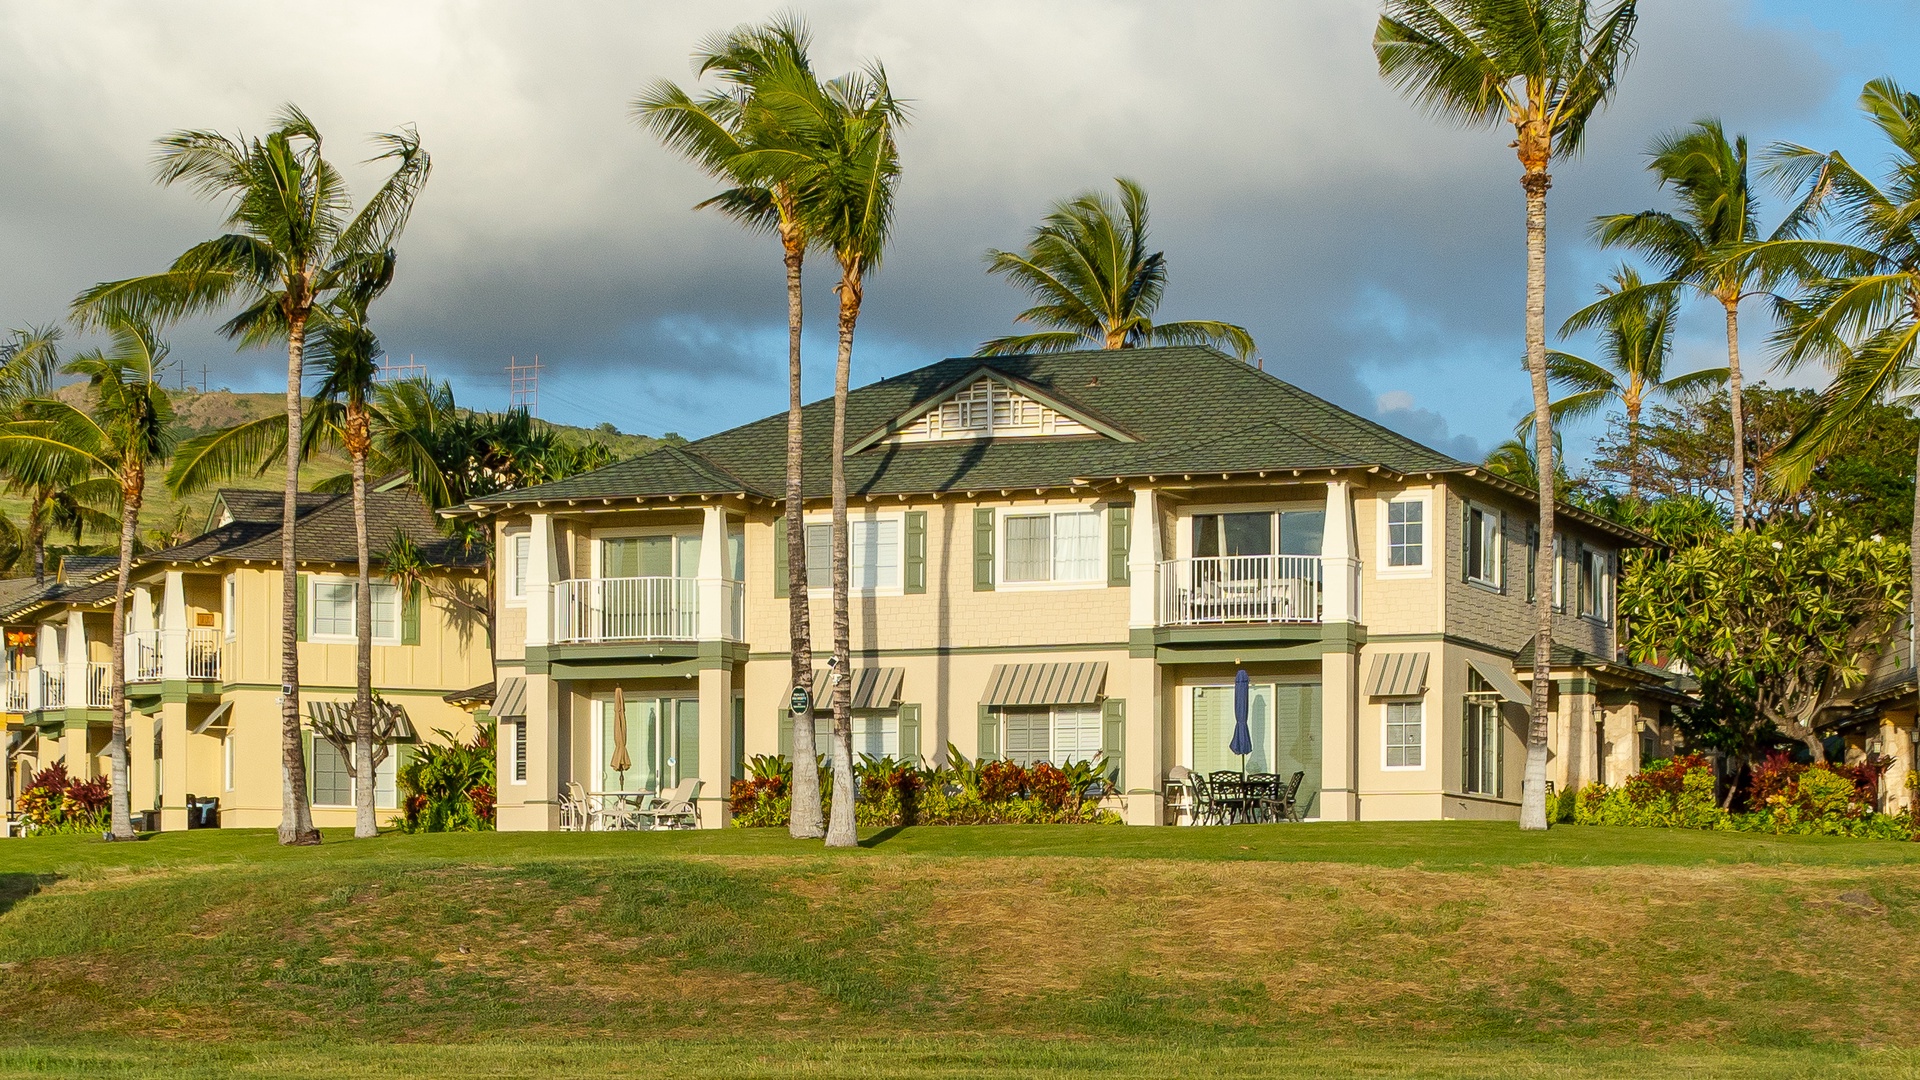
(1046, 684)
(510, 701)
(1502, 681)
(1401, 674)
(873, 688)
(333, 720)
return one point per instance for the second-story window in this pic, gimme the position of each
(519, 552)
(1406, 532)
(230, 598)
(333, 610)
(1483, 546)
(1595, 571)
(1063, 546)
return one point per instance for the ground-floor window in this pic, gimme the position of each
(519, 752)
(1405, 734)
(875, 734)
(333, 786)
(1481, 742)
(652, 747)
(1284, 722)
(1060, 734)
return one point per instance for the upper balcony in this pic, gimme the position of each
(1230, 589)
(597, 610)
(147, 654)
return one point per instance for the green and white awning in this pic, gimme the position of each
(1402, 674)
(873, 688)
(1502, 681)
(1045, 684)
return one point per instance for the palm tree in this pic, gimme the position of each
(1862, 318)
(1088, 267)
(1636, 340)
(1706, 245)
(737, 141)
(845, 192)
(126, 428)
(61, 496)
(1543, 67)
(293, 246)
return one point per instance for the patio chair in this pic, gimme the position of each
(1263, 794)
(576, 810)
(674, 808)
(1207, 809)
(1289, 796)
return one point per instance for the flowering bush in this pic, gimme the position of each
(1785, 798)
(450, 788)
(963, 792)
(55, 802)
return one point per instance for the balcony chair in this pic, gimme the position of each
(674, 808)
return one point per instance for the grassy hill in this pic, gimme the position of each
(1422, 949)
(201, 412)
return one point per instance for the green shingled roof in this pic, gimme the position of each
(1185, 408)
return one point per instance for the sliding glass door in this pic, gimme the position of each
(1284, 721)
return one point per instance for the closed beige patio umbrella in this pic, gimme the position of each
(622, 761)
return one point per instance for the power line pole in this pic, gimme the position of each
(392, 372)
(523, 385)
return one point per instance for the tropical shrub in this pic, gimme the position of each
(54, 802)
(451, 787)
(1785, 797)
(963, 792)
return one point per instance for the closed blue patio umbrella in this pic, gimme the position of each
(1242, 742)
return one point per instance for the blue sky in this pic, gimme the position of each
(1375, 254)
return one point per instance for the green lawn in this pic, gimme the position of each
(1427, 949)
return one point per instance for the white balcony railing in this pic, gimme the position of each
(1240, 589)
(99, 685)
(143, 656)
(53, 688)
(18, 698)
(627, 609)
(736, 593)
(203, 653)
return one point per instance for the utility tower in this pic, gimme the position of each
(523, 385)
(392, 371)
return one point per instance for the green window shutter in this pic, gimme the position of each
(784, 725)
(916, 578)
(983, 549)
(1466, 540)
(300, 591)
(1119, 545)
(1503, 551)
(910, 733)
(739, 737)
(1533, 560)
(687, 741)
(1113, 739)
(410, 618)
(989, 735)
(780, 565)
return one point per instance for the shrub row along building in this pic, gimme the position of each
(1052, 557)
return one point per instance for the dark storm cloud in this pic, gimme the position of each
(1370, 250)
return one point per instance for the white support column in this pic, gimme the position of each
(173, 629)
(48, 656)
(1340, 567)
(1143, 561)
(716, 743)
(76, 657)
(712, 613)
(541, 571)
(140, 614)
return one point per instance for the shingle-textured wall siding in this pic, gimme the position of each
(1505, 619)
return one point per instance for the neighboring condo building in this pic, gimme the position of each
(203, 658)
(1060, 557)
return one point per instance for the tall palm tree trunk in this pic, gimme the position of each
(1737, 411)
(121, 827)
(363, 767)
(1636, 469)
(1533, 787)
(804, 823)
(840, 823)
(296, 818)
(37, 534)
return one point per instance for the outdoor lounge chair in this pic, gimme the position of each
(675, 807)
(576, 811)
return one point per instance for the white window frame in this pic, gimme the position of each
(229, 602)
(516, 585)
(226, 760)
(598, 536)
(1386, 726)
(1484, 699)
(1602, 588)
(1050, 511)
(898, 588)
(1183, 519)
(1097, 711)
(1494, 521)
(1382, 567)
(517, 754)
(313, 610)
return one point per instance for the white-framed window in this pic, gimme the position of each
(519, 554)
(332, 786)
(1484, 547)
(875, 734)
(1406, 734)
(633, 555)
(230, 602)
(1059, 734)
(517, 753)
(1407, 533)
(875, 551)
(1052, 546)
(331, 610)
(1481, 741)
(1596, 585)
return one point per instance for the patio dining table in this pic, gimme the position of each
(1247, 797)
(620, 810)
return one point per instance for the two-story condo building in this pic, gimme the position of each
(203, 658)
(1059, 557)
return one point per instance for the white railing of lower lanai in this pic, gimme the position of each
(203, 654)
(626, 609)
(1240, 589)
(18, 699)
(143, 656)
(99, 685)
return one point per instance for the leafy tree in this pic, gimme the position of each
(1705, 245)
(1542, 67)
(125, 429)
(61, 495)
(1786, 614)
(1096, 284)
(292, 247)
(737, 137)
(1636, 341)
